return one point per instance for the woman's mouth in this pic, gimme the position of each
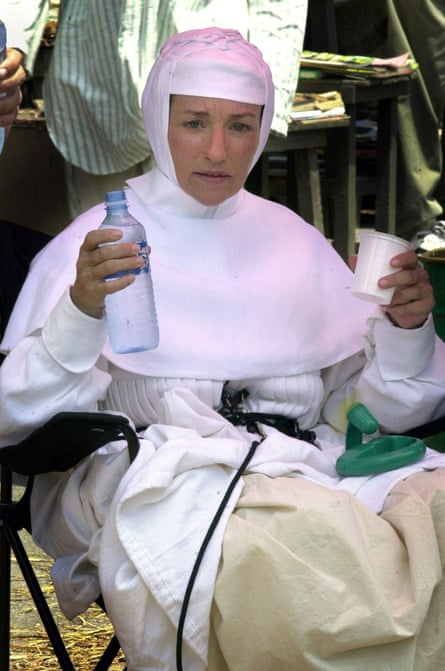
(211, 177)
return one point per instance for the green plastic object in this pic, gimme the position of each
(381, 454)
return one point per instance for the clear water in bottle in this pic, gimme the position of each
(131, 312)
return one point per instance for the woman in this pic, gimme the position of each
(307, 570)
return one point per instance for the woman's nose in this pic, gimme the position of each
(216, 147)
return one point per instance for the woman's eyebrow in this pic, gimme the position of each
(195, 111)
(244, 114)
(237, 115)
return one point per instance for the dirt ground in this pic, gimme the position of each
(85, 637)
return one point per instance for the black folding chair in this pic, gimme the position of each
(57, 446)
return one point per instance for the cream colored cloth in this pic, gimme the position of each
(310, 580)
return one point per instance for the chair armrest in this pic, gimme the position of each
(65, 440)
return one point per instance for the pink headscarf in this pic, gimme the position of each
(211, 62)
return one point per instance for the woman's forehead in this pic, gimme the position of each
(207, 103)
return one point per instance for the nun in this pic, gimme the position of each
(262, 350)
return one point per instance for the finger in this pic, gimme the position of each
(413, 293)
(405, 276)
(111, 268)
(105, 245)
(115, 285)
(409, 315)
(11, 63)
(12, 73)
(352, 262)
(11, 79)
(102, 255)
(100, 237)
(406, 259)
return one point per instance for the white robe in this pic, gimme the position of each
(270, 283)
(247, 293)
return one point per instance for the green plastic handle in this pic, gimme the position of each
(381, 454)
(360, 421)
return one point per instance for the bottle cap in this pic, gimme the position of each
(115, 198)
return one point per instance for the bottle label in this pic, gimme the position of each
(143, 251)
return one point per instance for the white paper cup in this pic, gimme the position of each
(373, 262)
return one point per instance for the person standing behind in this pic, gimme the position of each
(103, 51)
(388, 28)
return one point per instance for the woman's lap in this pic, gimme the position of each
(311, 579)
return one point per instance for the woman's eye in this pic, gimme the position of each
(239, 126)
(194, 123)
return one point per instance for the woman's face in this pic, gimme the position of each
(212, 142)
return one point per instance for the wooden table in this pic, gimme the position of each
(386, 93)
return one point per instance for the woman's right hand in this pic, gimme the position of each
(96, 261)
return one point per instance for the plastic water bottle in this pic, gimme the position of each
(131, 312)
(2, 58)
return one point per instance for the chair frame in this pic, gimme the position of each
(15, 516)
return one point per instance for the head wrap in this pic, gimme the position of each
(211, 62)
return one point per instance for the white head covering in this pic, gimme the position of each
(211, 62)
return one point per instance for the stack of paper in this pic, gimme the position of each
(317, 105)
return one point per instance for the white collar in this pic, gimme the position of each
(156, 190)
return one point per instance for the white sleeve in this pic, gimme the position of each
(400, 378)
(52, 370)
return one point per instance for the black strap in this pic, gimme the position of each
(202, 549)
(232, 410)
(66, 439)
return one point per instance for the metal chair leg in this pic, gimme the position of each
(39, 600)
(5, 575)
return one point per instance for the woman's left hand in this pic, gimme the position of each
(413, 298)
(12, 76)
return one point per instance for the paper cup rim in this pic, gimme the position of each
(385, 236)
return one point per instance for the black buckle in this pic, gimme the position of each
(232, 409)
